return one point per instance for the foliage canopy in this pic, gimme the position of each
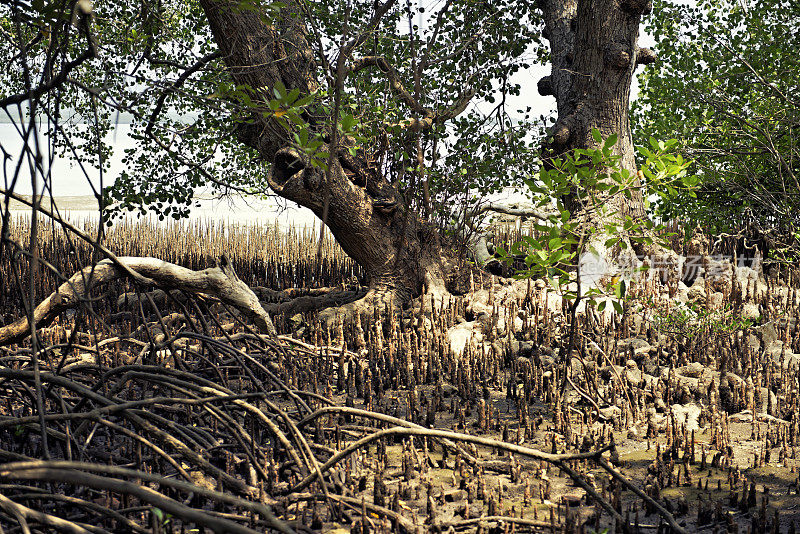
(156, 66)
(727, 87)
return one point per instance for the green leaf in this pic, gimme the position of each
(279, 90)
(620, 289)
(304, 101)
(348, 121)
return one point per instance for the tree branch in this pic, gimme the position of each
(376, 18)
(511, 210)
(395, 84)
(202, 62)
(84, 12)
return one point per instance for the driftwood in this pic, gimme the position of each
(219, 282)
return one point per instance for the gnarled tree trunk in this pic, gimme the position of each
(594, 53)
(401, 256)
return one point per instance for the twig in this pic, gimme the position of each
(642, 495)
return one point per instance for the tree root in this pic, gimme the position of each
(374, 300)
(453, 436)
(558, 460)
(385, 418)
(219, 282)
(642, 495)
(67, 472)
(231, 454)
(315, 300)
(23, 513)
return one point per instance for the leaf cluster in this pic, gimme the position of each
(588, 179)
(689, 320)
(726, 88)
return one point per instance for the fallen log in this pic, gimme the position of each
(219, 282)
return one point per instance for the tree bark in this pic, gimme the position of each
(594, 53)
(400, 254)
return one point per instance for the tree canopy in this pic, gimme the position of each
(727, 88)
(156, 65)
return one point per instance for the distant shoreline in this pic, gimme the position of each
(65, 203)
(233, 210)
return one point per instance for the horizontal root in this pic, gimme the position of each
(219, 282)
(315, 300)
(373, 300)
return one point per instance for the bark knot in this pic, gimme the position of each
(545, 86)
(617, 56)
(637, 7)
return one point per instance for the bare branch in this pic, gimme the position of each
(93, 242)
(61, 77)
(431, 118)
(220, 282)
(514, 211)
(356, 41)
(202, 62)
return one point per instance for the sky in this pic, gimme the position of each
(68, 179)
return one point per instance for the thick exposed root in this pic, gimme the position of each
(375, 302)
(219, 282)
(333, 298)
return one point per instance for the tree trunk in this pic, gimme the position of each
(400, 254)
(594, 53)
